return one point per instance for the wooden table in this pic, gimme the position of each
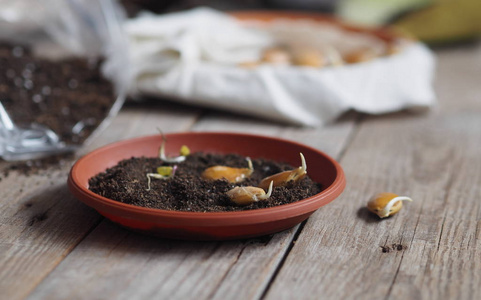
(54, 247)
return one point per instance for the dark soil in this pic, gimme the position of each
(69, 96)
(37, 166)
(393, 247)
(187, 191)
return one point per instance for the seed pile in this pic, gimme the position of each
(187, 190)
(70, 96)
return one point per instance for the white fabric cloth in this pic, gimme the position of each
(192, 57)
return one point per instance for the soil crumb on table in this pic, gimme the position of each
(37, 166)
(393, 247)
(187, 191)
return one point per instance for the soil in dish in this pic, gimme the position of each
(69, 96)
(187, 191)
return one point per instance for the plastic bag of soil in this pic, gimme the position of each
(64, 69)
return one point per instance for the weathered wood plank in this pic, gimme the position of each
(112, 263)
(434, 159)
(450, 268)
(337, 254)
(40, 222)
(145, 118)
(331, 139)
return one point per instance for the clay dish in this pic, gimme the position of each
(211, 225)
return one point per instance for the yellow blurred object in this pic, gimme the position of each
(444, 21)
(165, 171)
(184, 150)
(432, 21)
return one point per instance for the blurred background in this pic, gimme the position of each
(436, 22)
(205, 58)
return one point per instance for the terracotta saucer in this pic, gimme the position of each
(212, 225)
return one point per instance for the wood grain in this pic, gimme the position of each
(40, 221)
(433, 158)
(54, 247)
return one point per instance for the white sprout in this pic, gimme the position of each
(269, 192)
(303, 166)
(158, 176)
(162, 155)
(386, 210)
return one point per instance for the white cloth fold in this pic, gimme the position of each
(193, 57)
